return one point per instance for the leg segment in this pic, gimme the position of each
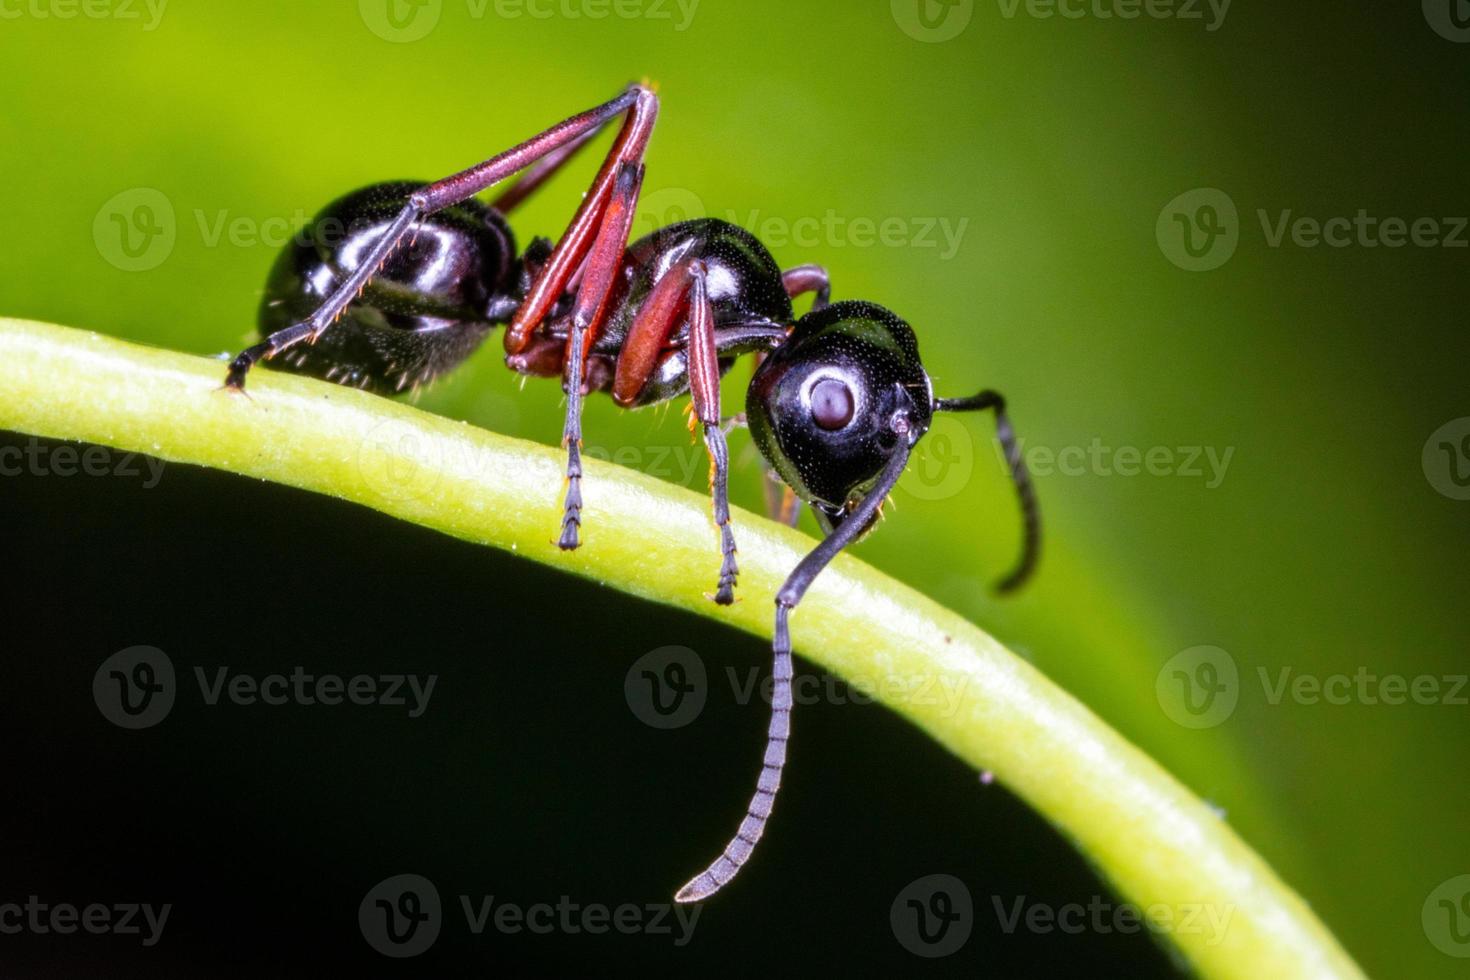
(682, 291)
(808, 279)
(587, 317)
(704, 390)
(575, 244)
(638, 101)
(782, 503)
(738, 851)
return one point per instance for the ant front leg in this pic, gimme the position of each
(551, 148)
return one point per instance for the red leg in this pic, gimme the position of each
(599, 273)
(638, 101)
(704, 391)
(660, 315)
(680, 289)
(577, 242)
(808, 279)
(540, 172)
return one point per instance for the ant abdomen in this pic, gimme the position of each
(428, 309)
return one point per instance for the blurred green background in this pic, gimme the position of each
(1007, 190)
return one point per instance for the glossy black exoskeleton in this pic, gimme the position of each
(398, 283)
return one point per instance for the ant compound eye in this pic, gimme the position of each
(832, 404)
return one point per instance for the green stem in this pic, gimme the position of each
(1158, 844)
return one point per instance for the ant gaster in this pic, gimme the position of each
(395, 284)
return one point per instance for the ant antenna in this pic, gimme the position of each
(1030, 512)
(738, 851)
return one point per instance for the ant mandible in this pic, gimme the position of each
(395, 284)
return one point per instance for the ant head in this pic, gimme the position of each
(832, 405)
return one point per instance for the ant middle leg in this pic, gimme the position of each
(682, 292)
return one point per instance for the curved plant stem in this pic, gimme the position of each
(1161, 847)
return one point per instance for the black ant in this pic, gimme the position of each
(836, 404)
